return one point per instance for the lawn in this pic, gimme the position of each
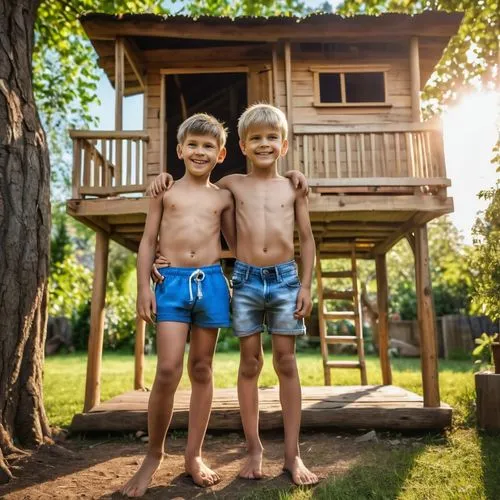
(462, 464)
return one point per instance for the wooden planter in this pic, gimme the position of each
(488, 400)
(496, 356)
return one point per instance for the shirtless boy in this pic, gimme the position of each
(194, 292)
(266, 286)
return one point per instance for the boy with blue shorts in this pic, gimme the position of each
(267, 290)
(192, 295)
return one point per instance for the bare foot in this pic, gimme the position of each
(139, 483)
(301, 475)
(200, 474)
(252, 469)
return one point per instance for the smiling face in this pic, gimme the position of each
(200, 154)
(263, 146)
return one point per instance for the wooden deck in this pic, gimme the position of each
(348, 407)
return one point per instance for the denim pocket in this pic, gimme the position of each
(238, 280)
(292, 281)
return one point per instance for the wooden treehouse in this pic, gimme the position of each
(350, 88)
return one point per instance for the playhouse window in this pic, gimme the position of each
(349, 88)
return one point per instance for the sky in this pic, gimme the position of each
(470, 131)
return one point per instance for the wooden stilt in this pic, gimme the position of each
(93, 385)
(426, 319)
(383, 319)
(140, 337)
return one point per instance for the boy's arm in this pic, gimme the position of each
(227, 182)
(307, 254)
(162, 182)
(145, 298)
(228, 222)
(298, 179)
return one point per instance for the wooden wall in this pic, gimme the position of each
(396, 57)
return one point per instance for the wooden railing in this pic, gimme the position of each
(375, 150)
(108, 163)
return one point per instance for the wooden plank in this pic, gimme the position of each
(163, 111)
(348, 152)
(428, 24)
(427, 320)
(135, 59)
(321, 318)
(289, 96)
(415, 79)
(372, 154)
(77, 168)
(338, 165)
(96, 336)
(488, 401)
(275, 75)
(109, 134)
(379, 181)
(88, 158)
(305, 152)
(385, 155)
(397, 147)
(127, 164)
(432, 125)
(119, 83)
(326, 155)
(383, 318)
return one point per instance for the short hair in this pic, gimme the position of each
(261, 115)
(202, 124)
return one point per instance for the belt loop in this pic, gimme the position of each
(278, 275)
(247, 272)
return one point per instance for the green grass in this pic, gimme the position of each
(464, 464)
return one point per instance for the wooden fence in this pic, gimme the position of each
(378, 150)
(108, 163)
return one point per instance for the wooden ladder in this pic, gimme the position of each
(326, 294)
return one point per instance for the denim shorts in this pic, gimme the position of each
(265, 296)
(198, 296)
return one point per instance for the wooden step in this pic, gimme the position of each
(341, 339)
(337, 274)
(333, 316)
(343, 364)
(338, 295)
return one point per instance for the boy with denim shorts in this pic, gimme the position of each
(192, 295)
(266, 286)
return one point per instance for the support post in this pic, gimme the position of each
(426, 319)
(119, 93)
(289, 106)
(383, 318)
(94, 359)
(140, 338)
(415, 79)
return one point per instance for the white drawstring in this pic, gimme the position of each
(198, 276)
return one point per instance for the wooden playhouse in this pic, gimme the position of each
(350, 88)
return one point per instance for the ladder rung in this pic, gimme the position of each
(343, 364)
(339, 315)
(340, 295)
(337, 274)
(341, 339)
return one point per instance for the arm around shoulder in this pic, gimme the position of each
(228, 221)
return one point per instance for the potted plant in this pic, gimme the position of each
(488, 347)
(488, 383)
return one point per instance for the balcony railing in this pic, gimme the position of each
(374, 151)
(108, 163)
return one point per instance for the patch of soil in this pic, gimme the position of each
(97, 468)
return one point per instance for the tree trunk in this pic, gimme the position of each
(24, 237)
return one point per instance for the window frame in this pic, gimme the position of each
(341, 71)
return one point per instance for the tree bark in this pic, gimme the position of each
(24, 237)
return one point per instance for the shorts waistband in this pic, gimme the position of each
(278, 270)
(188, 271)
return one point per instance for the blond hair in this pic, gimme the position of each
(202, 124)
(262, 115)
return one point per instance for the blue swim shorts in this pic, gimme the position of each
(199, 296)
(265, 296)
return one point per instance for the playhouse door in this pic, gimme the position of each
(260, 84)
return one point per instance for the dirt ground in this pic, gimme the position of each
(96, 467)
